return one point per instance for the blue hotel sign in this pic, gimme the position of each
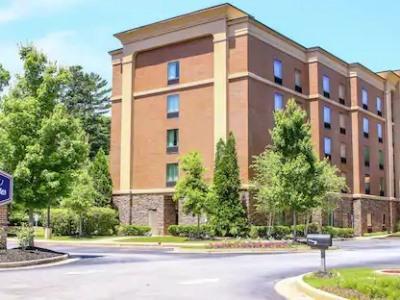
(6, 188)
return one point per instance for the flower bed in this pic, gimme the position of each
(249, 244)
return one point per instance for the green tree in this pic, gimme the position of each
(87, 97)
(229, 216)
(288, 173)
(100, 174)
(82, 197)
(4, 78)
(42, 145)
(191, 188)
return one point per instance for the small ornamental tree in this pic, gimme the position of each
(191, 187)
(229, 216)
(288, 173)
(100, 174)
(81, 198)
(4, 78)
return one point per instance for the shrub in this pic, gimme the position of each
(63, 221)
(100, 221)
(338, 232)
(17, 218)
(25, 236)
(133, 230)
(190, 231)
(312, 228)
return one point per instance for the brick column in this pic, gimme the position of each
(127, 106)
(220, 86)
(3, 227)
(358, 217)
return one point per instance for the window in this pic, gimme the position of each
(342, 94)
(366, 127)
(364, 98)
(297, 81)
(328, 148)
(381, 160)
(172, 174)
(172, 140)
(380, 132)
(173, 72)
(173, 106)
(327, 117)
(278, 71)
(326, 86)
(367, 184)
(342, 124)
(343, 158)
(278, 101)
(366, 156)
(382, 187)
(379, 106)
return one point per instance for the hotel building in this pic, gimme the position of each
(181, 84)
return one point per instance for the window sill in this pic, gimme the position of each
(173, 81)
(172, 150)
(172, 115)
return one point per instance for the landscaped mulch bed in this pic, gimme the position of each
(31, 253)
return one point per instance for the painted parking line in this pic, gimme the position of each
(199, 281)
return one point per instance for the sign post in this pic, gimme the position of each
(6, 195)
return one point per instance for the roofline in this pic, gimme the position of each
(182, 15)
(257, 22)
(115, 51)
(390, 71)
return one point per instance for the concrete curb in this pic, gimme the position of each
(314, 292)
(295, 288)
(28, 263)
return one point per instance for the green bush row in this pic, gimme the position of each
(338, 232)
(190, 231)
(133, 230)
(281, 232)
(98, 221)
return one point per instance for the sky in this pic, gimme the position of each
(81, 31)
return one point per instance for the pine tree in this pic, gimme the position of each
(229, 216)
(102, 184)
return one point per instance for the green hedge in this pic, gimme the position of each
(282, 232)
(190, 231)
(338, 232)
(99, 221)
(133, 230)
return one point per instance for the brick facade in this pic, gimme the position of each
(226, 83)
(155, 210)
(3, 227)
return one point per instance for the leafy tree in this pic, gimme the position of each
(4, 78)
(229, 215)
(288, 173)
(82, 197)
(100, 174)
(86, 97)
(191, 188)
(42, 145)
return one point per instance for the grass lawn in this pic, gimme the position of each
(378, 233)
(358, 283)
(154, 239)
(75, 238)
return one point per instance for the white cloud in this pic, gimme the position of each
(17, 9)
(64, 47)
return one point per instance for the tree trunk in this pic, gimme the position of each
(48, 217)
(30, 220)
(80, 225)
(307, 223)
(198, 226)
(294, 226)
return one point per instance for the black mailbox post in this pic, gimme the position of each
(322, 242)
